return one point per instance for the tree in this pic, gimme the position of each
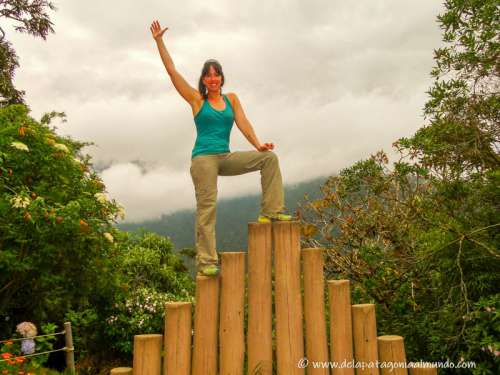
(464, 107)
(421, 238)
(30, 18)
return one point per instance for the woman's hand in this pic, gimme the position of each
(157, 31)
(266, 146)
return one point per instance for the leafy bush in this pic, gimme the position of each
(152, 276)
(55, 220)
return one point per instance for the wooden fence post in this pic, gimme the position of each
(70, 353)
(147, 354)
(364, 328)
(232, 314)
(339, 299)
(314, 309)
(206, 325)
(177, 358)
(259, 330)
(121, 371)
(391, 355)
(288, 298)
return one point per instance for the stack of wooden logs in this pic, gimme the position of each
(218, 345)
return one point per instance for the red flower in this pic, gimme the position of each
(33, 195)
(394, 293)
(10, 172)
(47, 214)
(5, 372)
(82, 222)
(59, 220)
(9, 343)
(27, 214)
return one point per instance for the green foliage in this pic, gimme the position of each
(16, 360)
(56, 223)
(44, 344)
(31, 18)
(482, 334)
(150, 276)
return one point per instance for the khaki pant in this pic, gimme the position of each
(204, 172)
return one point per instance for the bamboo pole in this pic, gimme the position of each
(314, 309)
(422, 368)
(177, 358)
(206, 322)
(232, 314)
(391, 355)
(288, 298)
(121, 371)
(341, 347)
(147, 354)
(259, 330)
(365, 339)
(70, 353)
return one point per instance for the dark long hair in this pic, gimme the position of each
(206, 67)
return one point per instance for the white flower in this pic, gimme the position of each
(19, 146)
(20, 201)
(76, 161)
(61, 147)
(109, 237)
(121, 211)
(100, 197)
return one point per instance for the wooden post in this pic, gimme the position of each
(417, 368)
(70, 352)
(147, 354)
(177, 358)
(121, 371)
(364, 329)
(259, 330)
(341, 349)
(232, 314)
(288, 298)
(391, 355)
(314, 309)
(206, 324)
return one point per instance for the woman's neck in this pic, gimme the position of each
(214, 96)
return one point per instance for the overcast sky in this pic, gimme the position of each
(330, 82)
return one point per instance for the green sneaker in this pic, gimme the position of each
(209, 272)
(277, 216)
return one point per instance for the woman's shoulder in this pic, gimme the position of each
(231, 96)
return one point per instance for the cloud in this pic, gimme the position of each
(329, 82)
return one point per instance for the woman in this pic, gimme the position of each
(214, 114)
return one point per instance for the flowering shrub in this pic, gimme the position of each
(151, 276)
(143, 312)
(482, 334)
(13, 351)
(53, 221)
(26, 329)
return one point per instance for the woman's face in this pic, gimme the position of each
(212, 80)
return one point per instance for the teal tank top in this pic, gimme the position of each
(213, 128)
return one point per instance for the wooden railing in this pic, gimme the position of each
(218, 345)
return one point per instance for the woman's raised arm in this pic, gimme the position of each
(190, 94)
